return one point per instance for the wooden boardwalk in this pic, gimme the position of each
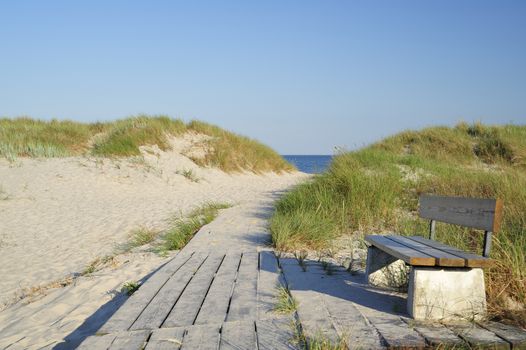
(214, 300)
(202, 300)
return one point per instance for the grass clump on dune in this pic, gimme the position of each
(25, 137)
(376, 189)
(124, 137)
(182, 229)
(233, 152)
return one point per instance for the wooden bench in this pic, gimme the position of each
(443, 282)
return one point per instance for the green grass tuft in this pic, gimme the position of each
(183, 229)
(130, 287)
(142, 236)
(285, 304)
(376, 189)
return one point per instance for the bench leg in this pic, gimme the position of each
(446, 294)
(384, 270)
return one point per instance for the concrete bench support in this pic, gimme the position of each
(436, 293)
(384, 270)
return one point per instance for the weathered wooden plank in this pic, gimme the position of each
(407, 254)
(201, 337)
(216, 303)
(513, 335)
(478, 337)
(154, 314)
(269, 281)
(97, 342)
(471, 260)
(306, 288)
(132, 308)
(396, 333)
(442, 258)
(435, 334)
(276, 334)
(351, 325)
(130, 340)
(484, 214)
(243, 303)
(187, 307)
(166, 339)
(238, 336)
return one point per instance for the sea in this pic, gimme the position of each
(313, 164)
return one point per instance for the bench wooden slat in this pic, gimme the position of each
(442, 258)
(484, 214)
(408, 255)
(472, 260)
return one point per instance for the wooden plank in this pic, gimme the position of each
(484, 214)
(307, 290)
(408, 255)
(269, 281)
(201, 337)
(215, 306)
(130, 340)
(187, 307)
(442, 258)
(435, 334)
(396, 333)
(513, 335)
(471, 260)
(243, 303)
(154, 314)
(97, 342)
(276, 334)
(351, 325)
(166, 339)
(478, 337)
(124, 317)
(238, 336)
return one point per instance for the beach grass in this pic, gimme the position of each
(130, 287)
(141, 236)
(182, 229)
(26, 137)
(285, 302)
(376, 189)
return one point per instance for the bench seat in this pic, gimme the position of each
(420, 251)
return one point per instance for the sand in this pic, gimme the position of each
(58, 215)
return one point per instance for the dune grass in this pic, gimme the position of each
(376, 189)
(182, 229)
(285, 302)
(25, 137)
(141, 236)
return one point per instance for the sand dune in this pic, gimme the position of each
(58, 215)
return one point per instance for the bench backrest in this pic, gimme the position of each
(483, 214)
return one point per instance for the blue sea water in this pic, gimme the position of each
(309, 164)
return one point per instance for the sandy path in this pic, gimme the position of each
(60, 214)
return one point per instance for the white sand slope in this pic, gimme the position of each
(58, 215)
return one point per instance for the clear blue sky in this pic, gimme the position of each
(301, 76)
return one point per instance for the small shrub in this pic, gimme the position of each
(130, 287)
